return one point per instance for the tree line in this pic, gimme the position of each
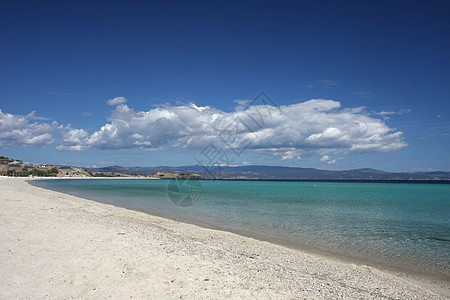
(35, 172)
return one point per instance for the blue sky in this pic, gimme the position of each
(351, 84)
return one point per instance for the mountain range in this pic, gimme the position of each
(278, 173)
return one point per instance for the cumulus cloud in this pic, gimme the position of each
(317, 126)
(286, 131)
(72, 139)
(116, 101)
(20, 130)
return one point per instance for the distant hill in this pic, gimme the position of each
(278, 173)
(12, 167)
(17, 168)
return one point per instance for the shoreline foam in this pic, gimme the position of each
(56, 245)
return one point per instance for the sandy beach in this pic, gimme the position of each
(57, 246)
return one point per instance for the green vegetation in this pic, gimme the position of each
(189, 176)
(35, 172)
(102, 174)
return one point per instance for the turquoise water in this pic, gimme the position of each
(400, 226)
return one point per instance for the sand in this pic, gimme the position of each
(57, 246)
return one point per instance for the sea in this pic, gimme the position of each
(398, 226)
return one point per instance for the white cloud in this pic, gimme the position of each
(386, 114)
(32, 116)
(288, 131)
(72, 139)
(404, 111)
(317, 126)
(325, 158)
(290, 154)
(242, 104)
(328, 159)
(116, 101)
(19, 130)
(199, 108)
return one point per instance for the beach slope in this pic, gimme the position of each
(54, 245)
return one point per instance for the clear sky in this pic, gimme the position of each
(348, 84)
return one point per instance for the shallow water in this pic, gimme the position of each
(398, 225)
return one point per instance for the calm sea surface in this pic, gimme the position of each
(397, 225)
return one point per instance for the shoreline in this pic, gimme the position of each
(334, 255)
(412, 181)
(122, 249)
(342, 257)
